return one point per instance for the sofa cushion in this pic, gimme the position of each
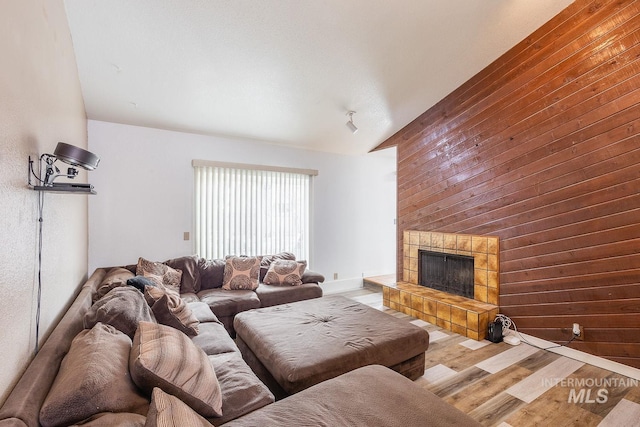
(285, 272)
(93, 377)
(190, 281)
(114, 278)
(268, 259)
(169, 411)
(227, 303)
(162, 274)
(242, 391)
(110, 419)
(123, 308)
(312, 277)
(164, 357)
(241, 273)
(211, 273)
(372, 396)
(202, 311)
(169, 309)
(213, 338)
(275, 295)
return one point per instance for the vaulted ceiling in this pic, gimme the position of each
(287, 71)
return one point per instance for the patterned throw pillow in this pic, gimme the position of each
(162, 274)
(241, 272)
(285, 272)
(164, 357)
(167, 410)
(171, 310)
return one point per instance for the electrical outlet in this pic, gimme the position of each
(578, 331)
(335, 276)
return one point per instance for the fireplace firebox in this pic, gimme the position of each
(445, 272)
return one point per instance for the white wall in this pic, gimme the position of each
(40, 104)
(145, 198)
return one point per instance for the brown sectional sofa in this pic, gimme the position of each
(355, 398)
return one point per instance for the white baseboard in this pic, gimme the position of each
(581, 356)
(344, 285)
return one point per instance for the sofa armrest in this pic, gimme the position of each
(310, 276)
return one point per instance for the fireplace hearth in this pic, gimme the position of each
(446, 272)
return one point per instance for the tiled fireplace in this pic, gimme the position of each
(468, 317)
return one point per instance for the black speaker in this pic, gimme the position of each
(494, 331)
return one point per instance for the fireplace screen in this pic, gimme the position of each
(446, 272)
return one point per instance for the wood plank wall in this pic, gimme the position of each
(542, 148)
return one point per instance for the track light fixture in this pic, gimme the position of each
(350, 124)
(71, 155)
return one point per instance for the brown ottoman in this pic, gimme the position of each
(293, 346)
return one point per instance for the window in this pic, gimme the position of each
(251, 210)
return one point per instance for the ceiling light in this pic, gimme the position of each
(350, 124)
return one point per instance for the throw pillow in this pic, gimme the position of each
(109, 419)
(169, 309)
(285, 272)
(241, 272)
(169, 411)
(123, 308)
(114, 278)
(93, 377)
(190, 281)
(162, 274)
(164, 357)
(268, 259)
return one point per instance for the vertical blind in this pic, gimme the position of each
(247, 211)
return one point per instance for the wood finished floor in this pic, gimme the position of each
(503, 385)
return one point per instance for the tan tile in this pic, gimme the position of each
(405, 262)
(464, 242)
(483, 323)
(449, 241)
(385, 292)
(394, 296)
(493, 279)
(413, 277)
(413, 251)
(492, 263)
(444, 311)
(472, 320)
(405, 237)
(480, 293)
(415, 313)
(413, 264)
(474, 335)
(414, 238)
(443, 324)
(461, 330)
(428, 318)
(416, 302)
(405, 298)
(480, 277)
(406, 310)
(425, 239)
(479, 244)
(405, 249)
(459, 316)
(493, 245)
(394, 306)
(429, 307)
(437, 240)
(480, 261)
(492, 296)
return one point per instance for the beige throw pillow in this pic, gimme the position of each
(169, 411)
(164, 276)
(241, 272)
(93, 377)
(285, 272)
(164, 357)
(171, 310)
